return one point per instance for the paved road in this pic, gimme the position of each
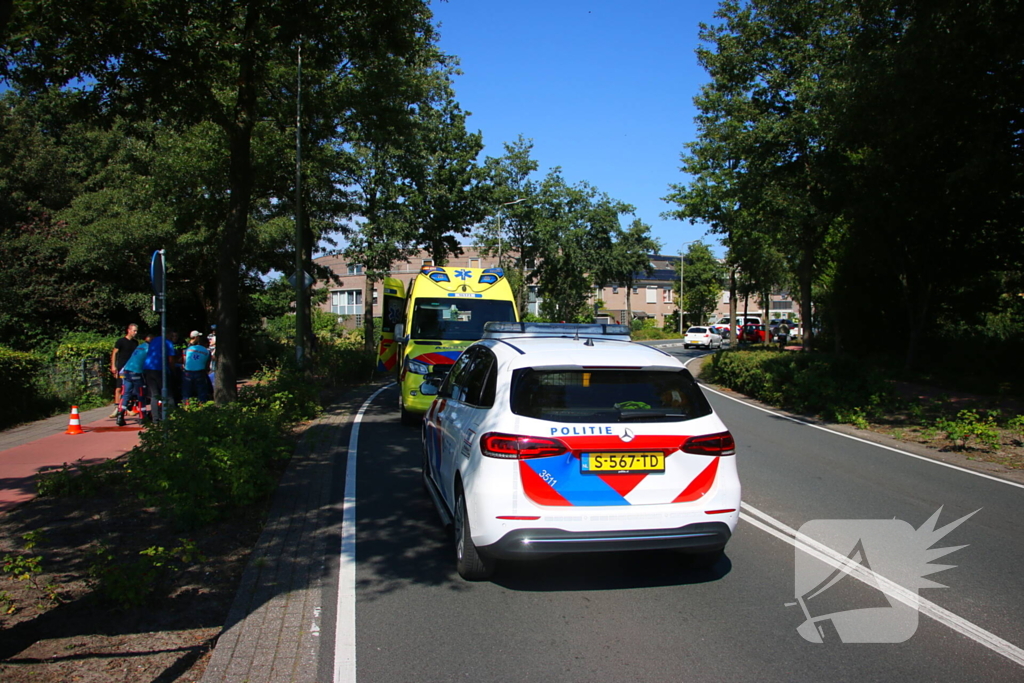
(647, 616)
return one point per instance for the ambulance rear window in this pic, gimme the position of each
(609, 395)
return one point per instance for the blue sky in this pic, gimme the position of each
(603, 87)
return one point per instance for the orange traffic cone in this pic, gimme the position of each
(76, 423)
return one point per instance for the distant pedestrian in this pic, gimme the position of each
(123, 350)
(212, 338)
(197, 369)
(783, 332)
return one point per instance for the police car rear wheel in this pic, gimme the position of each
(470, 564)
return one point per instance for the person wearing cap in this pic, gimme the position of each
(197, 365)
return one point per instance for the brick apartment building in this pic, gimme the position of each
(650, 297)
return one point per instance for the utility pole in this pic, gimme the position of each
(682, 261)
(301, 290)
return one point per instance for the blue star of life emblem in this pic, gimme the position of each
(463, 274)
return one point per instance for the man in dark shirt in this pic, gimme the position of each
(123, 350)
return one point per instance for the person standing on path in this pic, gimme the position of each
(133, 381)
(154, 371)
(783, 335)
(197, 367)
(123, 350)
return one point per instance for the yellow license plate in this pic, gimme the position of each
(622, 463)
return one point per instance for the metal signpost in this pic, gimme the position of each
(158, 278)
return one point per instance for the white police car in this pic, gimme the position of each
(554, 438)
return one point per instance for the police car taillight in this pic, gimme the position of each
(512, 446)
(710, 444)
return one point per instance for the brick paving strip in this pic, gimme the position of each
(272, 634)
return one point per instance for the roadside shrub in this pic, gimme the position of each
(127, 582)
(19, 398)
(648, 333)
(82, 480)
(1016, 425)
(836, 387)
(205, 460)
(970, 425)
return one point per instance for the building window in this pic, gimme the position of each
(474, 263)
(355, 269)
(666, 295)
(347, 302)
(782, 305)
(652, 295)
(428, 262)
(636, 290)
(725, 296)
(531, 294)
(615, 289)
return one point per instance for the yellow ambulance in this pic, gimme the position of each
(445, 309)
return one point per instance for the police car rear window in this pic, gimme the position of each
(610, 395)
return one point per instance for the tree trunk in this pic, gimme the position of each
(225, 388)
(734, 332)
(239, 132)
(805, 311)
(369, 343)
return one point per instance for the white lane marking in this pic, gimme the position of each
(861, 573)
(857, 438)
(345, 624)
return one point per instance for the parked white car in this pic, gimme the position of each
(550, 438)
(705, 337)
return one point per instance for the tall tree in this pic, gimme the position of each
(514, 201)
(575, 229)
(215, 62)
(628, 259)
(765, 131)
(932, 124)
(702, 279)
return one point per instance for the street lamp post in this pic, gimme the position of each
(514, 201)
(682, 262)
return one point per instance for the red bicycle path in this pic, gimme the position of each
(42, 446)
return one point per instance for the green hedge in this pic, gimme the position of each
(19, 399)
(205, 460)
(835, 387)
(74, 371)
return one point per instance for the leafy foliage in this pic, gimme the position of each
(867, 155)
(702, 279)
(967, 425)
(835, 387)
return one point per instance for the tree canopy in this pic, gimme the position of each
(867, 155)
